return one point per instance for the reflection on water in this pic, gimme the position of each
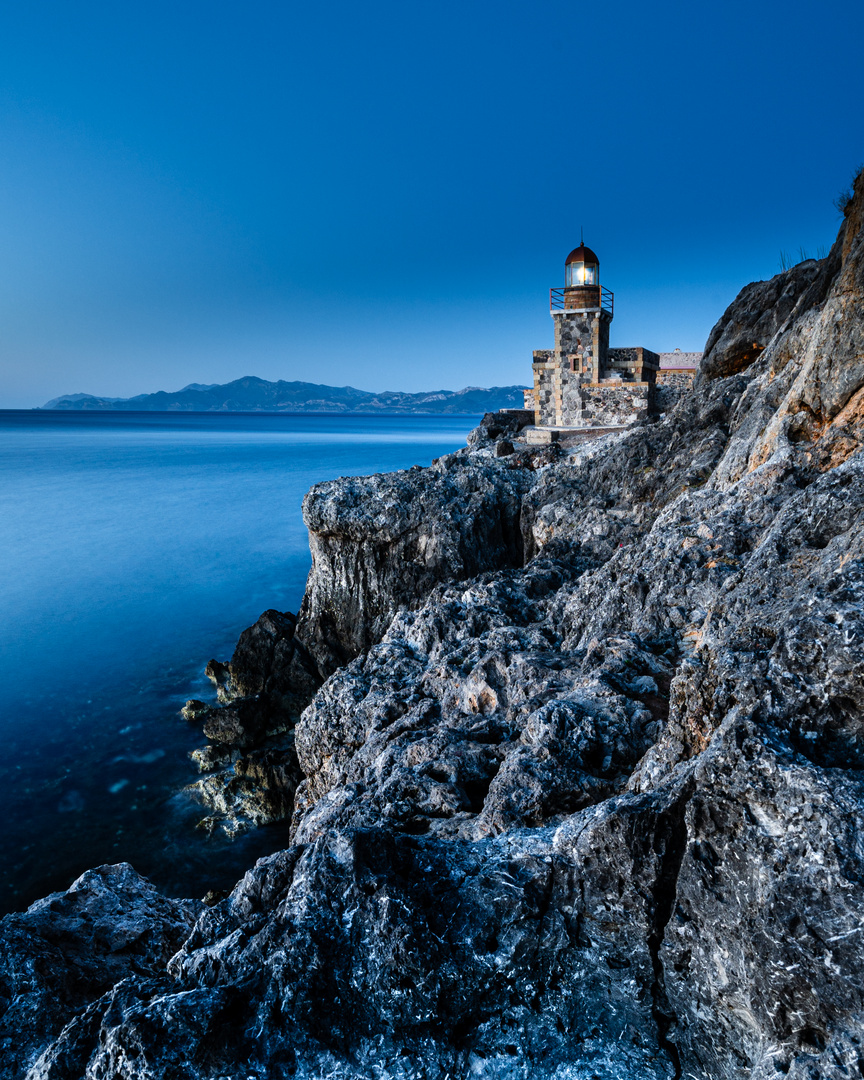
(134, 547)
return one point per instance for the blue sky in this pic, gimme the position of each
(381, 194)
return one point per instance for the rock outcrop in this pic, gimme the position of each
(581, 787)
(379, 544)
(758, 312)
(65, 956)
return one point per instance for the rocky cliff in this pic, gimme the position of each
(577, 792)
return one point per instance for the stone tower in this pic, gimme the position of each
(582, 312)
(583, 382)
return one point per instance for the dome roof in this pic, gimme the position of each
(581, 254)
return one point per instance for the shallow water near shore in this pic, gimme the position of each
(134, 547)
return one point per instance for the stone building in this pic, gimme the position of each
(583, 382)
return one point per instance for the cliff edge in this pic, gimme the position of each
(576, 740)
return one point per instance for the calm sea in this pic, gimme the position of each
(134, 547)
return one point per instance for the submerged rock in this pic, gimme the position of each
(579, 787)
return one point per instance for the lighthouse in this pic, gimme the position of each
(582, 312)
(582, 382)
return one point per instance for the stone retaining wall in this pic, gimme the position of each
(678, 359)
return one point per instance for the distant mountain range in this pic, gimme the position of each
(251, 394)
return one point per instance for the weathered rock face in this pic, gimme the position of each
(588, 806)
(380, 543)
(471, 718)
(759, 311)
(67, 951)
(497, 425)
(250, 767)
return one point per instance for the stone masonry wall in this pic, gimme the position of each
(556, 389)
(581, 344)
(584, 383)
(622, 353)
(613, 403)
(543, 389)
(681, 378)
(633, 362)
(672, 385)
(584, 335)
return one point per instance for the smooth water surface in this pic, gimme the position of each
(134, 547)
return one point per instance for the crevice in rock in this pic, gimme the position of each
(670, 844)
(477, 789)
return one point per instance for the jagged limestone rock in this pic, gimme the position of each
(379, 544)
(758, 312)
(582, 787)
(66, 951)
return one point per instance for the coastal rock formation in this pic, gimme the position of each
(581, 786)
(249, 765)
(71, 950)
(379, 544)
(498, 425)
(758, 312)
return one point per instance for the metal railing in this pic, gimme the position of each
(558, 298)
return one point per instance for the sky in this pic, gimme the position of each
(382, 194)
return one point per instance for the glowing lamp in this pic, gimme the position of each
(582, 268)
